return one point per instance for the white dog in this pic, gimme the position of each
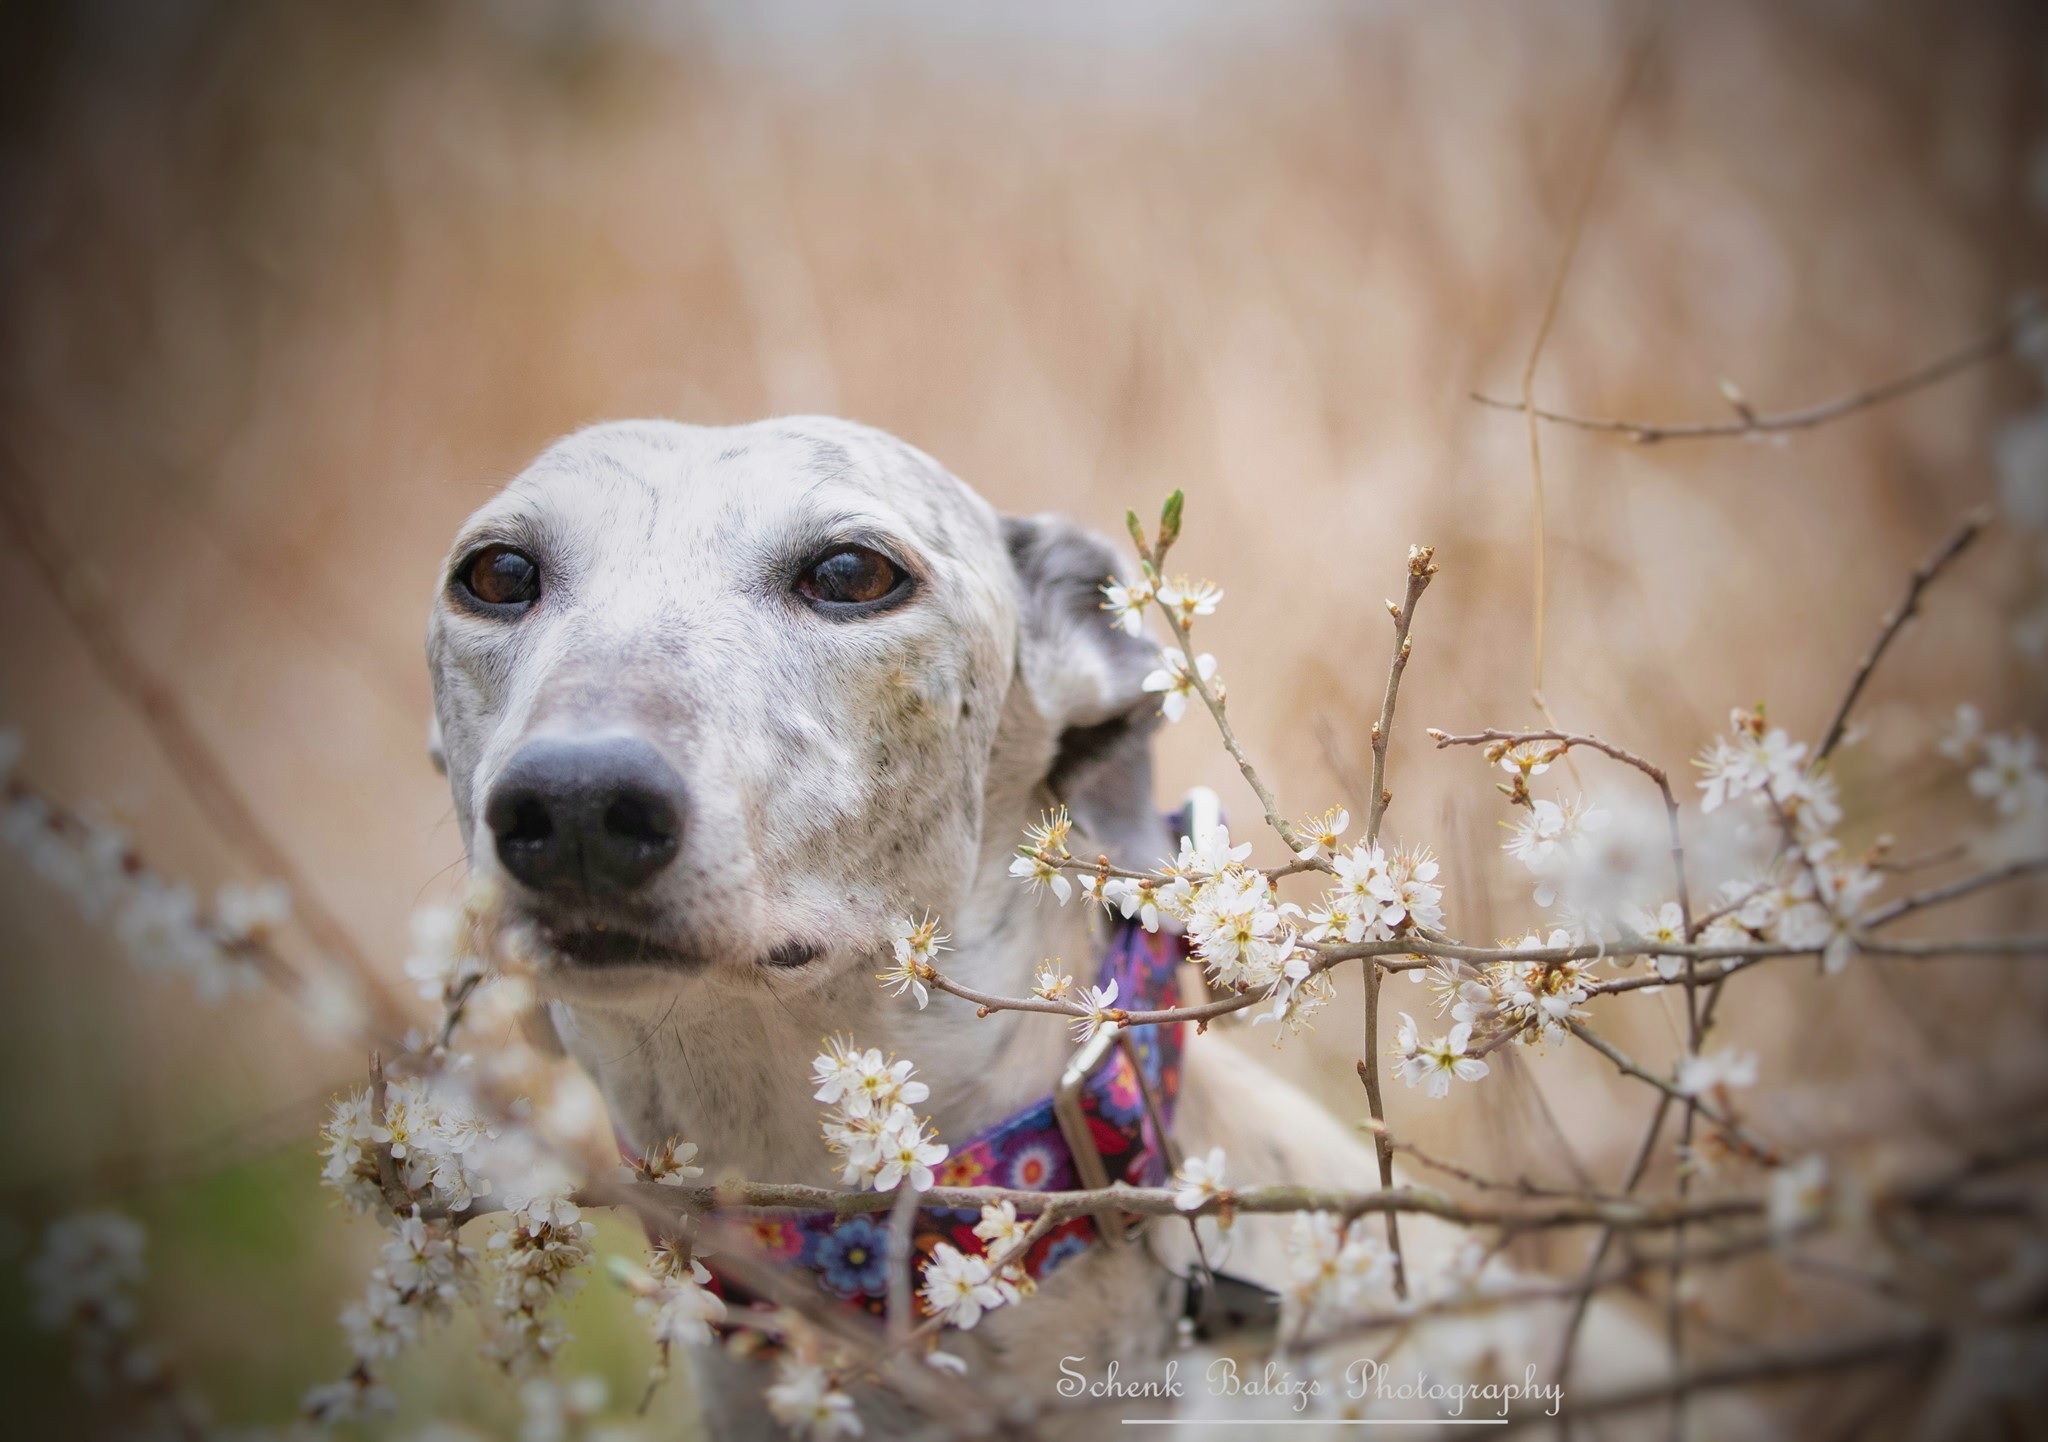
(717, 705)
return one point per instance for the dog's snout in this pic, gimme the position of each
(586, 818)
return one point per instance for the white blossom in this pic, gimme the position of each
(358, 1397)
(441, 962)
(1748, 761)
(1323, 833)
(2011, 778)
(1799, 1195)
(914, 944)
(907, 1151)
(1051, 983)
(1198, 1179)
(1332, 1267)
(674, 1296)
(1176, 684)
(1042, 874)
(864, 1083)
(1700, 1074)
(349, 1168)
(1235, 927)
(1436, 1062)
(382, 1324)
(871, 1127)
(1665, 926)
(1379, 894)
(245, 913)
(1529, 758)
(539, 1259)
(1125, 601)
(1134, 899)
(1100, 1004)
(1000, 1227)
(806, 1400)
(86, 1274)
(1188, 599)
(959, 1287)
(1554, 835)
(672, 1164)
(1210, 853)
(560, 1411)
(1964, 734)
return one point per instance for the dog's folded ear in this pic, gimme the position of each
(1085, 678)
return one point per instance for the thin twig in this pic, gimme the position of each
(1589, 1280)
(1610, 122)
(1421, 567)
(902, 1260)
(1697, 1103)
(1953, 891)
(1751, 423)
(1811, 1360)
(1184, 633)
(2035, 945)
(1923, 576)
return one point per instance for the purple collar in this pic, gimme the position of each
(1116, 1097)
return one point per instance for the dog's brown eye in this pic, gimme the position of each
(501, 576)
(851, 575)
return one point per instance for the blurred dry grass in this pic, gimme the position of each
(287, 293)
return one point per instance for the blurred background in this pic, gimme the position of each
(288, 290)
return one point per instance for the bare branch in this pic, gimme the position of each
(1954, 890)
(1923, 576)
(1812, 1360)
(1610, 122)
(1697, 1103)
(2036, 945)
(902, 1261)
(1589, 1282)
(1421, 567)
(1751, 423)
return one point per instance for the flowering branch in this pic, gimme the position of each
(1565, 741)
(1421, 568)
(197, 764)
(1192, 671)
(1691, 1098)
(1541, 1213)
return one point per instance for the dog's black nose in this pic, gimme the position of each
(586, 818)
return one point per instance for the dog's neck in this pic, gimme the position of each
(729, 1069)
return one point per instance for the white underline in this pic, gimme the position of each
(1316, 1422)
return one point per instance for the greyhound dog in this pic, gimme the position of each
(716, 706)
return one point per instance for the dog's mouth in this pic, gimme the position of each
(603, 946)
(597, 948)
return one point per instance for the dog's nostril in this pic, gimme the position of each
(637, 818)
(528, 824)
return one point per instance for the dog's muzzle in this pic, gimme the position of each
(586, 819)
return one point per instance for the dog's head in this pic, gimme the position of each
(716, 699)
